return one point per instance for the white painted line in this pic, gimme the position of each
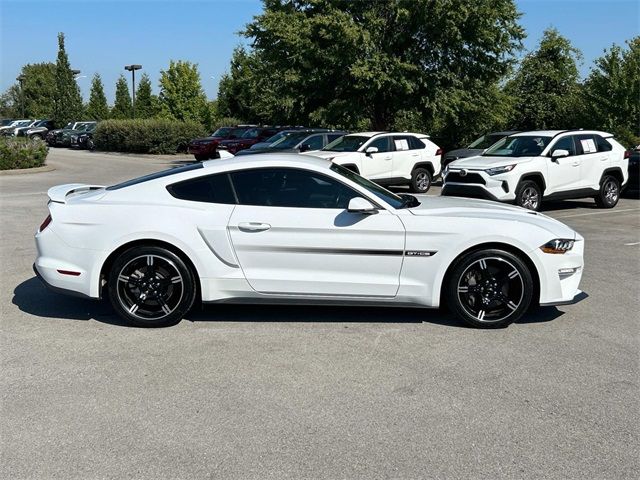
(601, 213)
(631, 244)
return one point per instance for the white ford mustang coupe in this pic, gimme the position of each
(281, 228)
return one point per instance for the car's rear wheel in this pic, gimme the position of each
(151, 287)
(420, 180)
(529, 195)
(609, 192)
(489, 288)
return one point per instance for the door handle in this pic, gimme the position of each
(387, 158)
(576, 164)
(253, 227)
(415, 154)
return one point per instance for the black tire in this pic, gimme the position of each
(609, 192)
(36, 137)
(201, 158)
(90, 145)
(420, 180)
(489, 288)
(151, 287)
(529, 195)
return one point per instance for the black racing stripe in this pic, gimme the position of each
(343, 251)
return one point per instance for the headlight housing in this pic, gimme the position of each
(499, 170)
(558, 246)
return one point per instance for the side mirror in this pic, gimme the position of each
(305, 147)
(361, 205)
(560, 153)
(371, 150)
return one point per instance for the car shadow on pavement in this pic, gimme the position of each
(32, 297)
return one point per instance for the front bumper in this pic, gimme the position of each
(478, 184)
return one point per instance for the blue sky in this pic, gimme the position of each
(103, 36)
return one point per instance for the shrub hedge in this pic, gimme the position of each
(22, 153)
(146, 135)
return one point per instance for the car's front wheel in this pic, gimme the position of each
(489, 288)
(609, 192)
(151, 287)
(201, 158)
(420, 180)
(529, 195)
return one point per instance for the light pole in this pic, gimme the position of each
(21, 79)
(132, 69)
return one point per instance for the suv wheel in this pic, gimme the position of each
(528, 195)
(489, 288)
(609, 192)
(151, 287)
(420, 180)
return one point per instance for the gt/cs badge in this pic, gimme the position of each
(419, 253)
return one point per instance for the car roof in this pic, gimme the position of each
(276, 160)
(373, 134)
(554, 133)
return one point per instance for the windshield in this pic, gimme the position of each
(24, 123)
(222, 132)
(485, 141)
(518, 146)
(289, 140)
(276, 137)
(348, 143)
(42, 123)
(382, 193)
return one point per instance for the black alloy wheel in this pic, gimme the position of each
(490, 288)
(151, 287)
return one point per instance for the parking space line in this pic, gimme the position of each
(601, 213)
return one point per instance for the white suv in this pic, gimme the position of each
(529, 167)
(387, 158)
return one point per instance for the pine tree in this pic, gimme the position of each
(68, 100)
(146, 101)
(122, 106)
(97, 109)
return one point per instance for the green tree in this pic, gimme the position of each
(545, 88)
(97, 108)
(67, 98)
(10, 106)
(122, 106)
(146, 102)
(39, 89)
(611, 93)
(181, 93)
(350, 64)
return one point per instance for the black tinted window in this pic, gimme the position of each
(210, 189)
(382, 144)
(289, 187)
(565, 143)
(602, 144)
(585, 143)
(315, 142)
(415, 143)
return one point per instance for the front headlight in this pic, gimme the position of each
(499, 170)
(558, 246)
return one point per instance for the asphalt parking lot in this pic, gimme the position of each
(300, 392)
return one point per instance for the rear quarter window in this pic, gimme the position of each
(209, 189)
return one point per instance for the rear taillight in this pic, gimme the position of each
(627, 154)
(439, 152)
(46, 222)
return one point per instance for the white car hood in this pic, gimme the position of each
(480, 163)
(474, 208)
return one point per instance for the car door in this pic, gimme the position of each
(595, 159)
(292, 234)
(564, 172)
(378, 165)
(404, 157)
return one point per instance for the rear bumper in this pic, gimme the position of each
(63, 291)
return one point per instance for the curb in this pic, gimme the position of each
(22, 171)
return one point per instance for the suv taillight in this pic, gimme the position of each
(627, 154)
(439, 152)
(46, 223)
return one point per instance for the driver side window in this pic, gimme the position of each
(290, 187)
(565, 143)
(382, 144)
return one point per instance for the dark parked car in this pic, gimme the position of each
(37, 130)
(206, 148)
(298, 141)
(633, 185)
(62, 137)
(83, 139)
(476, 148)
(250, 137)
